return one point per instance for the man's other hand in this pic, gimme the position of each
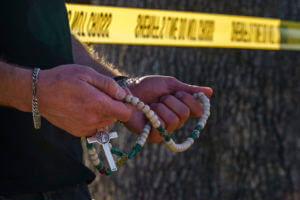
(171, 99)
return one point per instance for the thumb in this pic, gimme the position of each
(108, 86)
(178, 85)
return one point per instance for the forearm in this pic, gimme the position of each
(82, 56)
(15, 87)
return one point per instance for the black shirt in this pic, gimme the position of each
(35, 33)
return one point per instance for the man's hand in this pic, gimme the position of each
(80, 100)
(171, 99)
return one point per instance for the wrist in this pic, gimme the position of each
(126, 82)
(21, 86)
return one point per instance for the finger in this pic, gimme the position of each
(112, 109)
(120, 111)
(178, 107)
(167, 115)
(107, 85)
(178, 85)
(194, 105)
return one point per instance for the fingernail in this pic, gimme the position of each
(121, 93)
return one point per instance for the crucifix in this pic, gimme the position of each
(103, 138)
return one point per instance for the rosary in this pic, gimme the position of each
(103, 138)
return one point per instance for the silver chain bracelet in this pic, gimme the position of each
(35, 111)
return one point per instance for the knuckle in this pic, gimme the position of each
(182, 96)
(159, 107)
(153, 106)
(166, 99)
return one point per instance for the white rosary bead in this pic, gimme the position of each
(146, 109)
(157, 124)
(140, 105)
(143, 138)
(94, 157)
(128, 98)
(150, 114)
(153, 119)
(179, 147)
(96, 162)
(147, 127)
(134, 101)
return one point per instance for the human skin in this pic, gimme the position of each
(171, 99)
(81, 98)
(72, 97)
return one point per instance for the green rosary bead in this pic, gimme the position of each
(138, 147)
(99, 166)
(117, 151)
(198, 127)
(132, 153)
(108, 172)
(161, 129)
(195, 134)
(134, 150)
(89, 146)
(168, 137)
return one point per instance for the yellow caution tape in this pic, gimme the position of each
(115, 25)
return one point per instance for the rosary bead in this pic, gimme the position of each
(157, 124)
(131, 153)
(161, 128)
(96, 162)
(140, 105)
(168, 137)
(94, 157)
(134, 150)
(89, 146)
(103, 171)
(153, 119)
(117, 151)
(128, 98)
(150, 114)
(121, 161)
(138, 147)
(198, 127)
(99, 166)
(134, 101)
(195, 134)
(146, 109)
(108, 172)
(92, 151)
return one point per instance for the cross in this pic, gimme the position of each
(103, 138)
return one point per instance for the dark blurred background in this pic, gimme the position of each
(250, 146)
